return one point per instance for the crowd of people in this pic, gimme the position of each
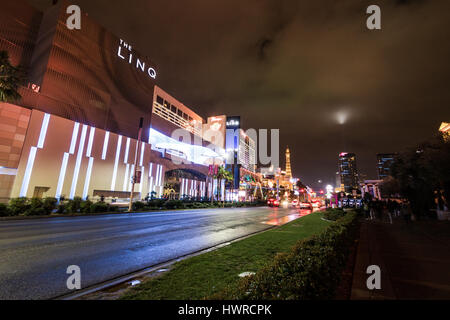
(386, 210)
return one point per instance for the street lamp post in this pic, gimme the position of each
(133, 181)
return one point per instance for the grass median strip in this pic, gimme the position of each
(201, 276)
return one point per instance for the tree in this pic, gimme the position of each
(222, 174)
(423, 171)
(390, 187)
(10, 78)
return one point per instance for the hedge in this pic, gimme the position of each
(47, 206)
(310, 271)
(333, 214)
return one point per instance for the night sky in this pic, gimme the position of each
(299, 66)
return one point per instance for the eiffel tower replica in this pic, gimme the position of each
(288, 165)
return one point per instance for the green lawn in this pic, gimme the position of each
(200, 276)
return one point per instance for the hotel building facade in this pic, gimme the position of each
(75, 130)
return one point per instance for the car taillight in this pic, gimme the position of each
(276, 202)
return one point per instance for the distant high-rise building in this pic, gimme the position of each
(348, 171)
(288, 164)
(384, 163)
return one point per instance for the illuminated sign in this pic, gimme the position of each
(125, 52)
(233, 122)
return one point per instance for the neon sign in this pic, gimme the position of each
(233, 123)
(128, 56)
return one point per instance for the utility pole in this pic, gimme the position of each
(133, 181)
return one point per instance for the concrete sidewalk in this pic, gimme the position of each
(414, 260)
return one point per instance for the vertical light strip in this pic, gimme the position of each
(88, 178)
(195, 189)
(116, 163)
(160, 175)
(125, 179)
(142, 153)
(127, 150)
(182, 187)
(105, 145)
(32, 156)
(74, 138)
(62, 172)
(150, 170)
(189, 187)
(150, 178)
(157, 175)
(43, 133)
(28, 170)
(90, 141)
(62, 175)
(150, 188)
(76, 171)
(223, 189)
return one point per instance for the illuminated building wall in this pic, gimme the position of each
(74, 131)
(61, 157)
(13, 128)
(177, 114)
(89, 75)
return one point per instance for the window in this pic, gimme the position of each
(173, 109)
(167, 105)
(159, 100)
(190, 119)
(180, 113)
(185, 116)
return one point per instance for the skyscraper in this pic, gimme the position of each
(348, 171)
(384, 163)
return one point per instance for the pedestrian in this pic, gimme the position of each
(366, 210)
(387, 212)
(372, 210)
(406, 212)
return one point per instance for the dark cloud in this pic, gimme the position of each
(294, 64)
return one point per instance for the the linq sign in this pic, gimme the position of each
(125, 52)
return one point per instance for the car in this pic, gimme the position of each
(306, 205)
(316, 204)
(273, 203)
(295, 203)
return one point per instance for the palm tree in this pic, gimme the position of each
(222, 174)
(10, 78)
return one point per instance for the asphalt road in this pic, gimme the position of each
(35, 254)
